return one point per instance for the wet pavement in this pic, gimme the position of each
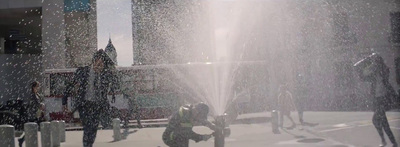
(327, 129)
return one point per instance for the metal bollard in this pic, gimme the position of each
(62, 131)
(117, 129)
(45, 134)
(274, 121)
(55, 133)
(31, 137)
(7, 136)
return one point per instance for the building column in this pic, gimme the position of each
(53, 34)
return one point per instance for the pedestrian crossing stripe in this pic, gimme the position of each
(349, 125)
(340, 125)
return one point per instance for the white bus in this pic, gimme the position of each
(147, 84)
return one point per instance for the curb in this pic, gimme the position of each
(145, 124)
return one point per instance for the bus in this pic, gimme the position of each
(146, 85)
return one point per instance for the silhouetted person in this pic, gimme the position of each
(300, 112)
(374, 70)
(94, 82)
(134, 109)
(285, 102)
(300, 98)
(35, 108)
(180, 125)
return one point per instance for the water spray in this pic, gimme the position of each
(222, 130)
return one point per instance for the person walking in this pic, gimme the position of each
(300, 98)
(35, 108)
(374, 70)
(381, 90)
(286, 104)
(134, 109)
(94, 82)
(180, 125)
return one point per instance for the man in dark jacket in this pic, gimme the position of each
(180, 125)
(93, 83)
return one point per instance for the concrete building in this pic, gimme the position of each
(43, 34)
(311, 46)
(335, 35)
(170, 32)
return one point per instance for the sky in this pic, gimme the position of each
(114, 19)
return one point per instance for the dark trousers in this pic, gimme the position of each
(300, 109)
(105, 115)
(179, 137)
(300, 112)
(178, 140)
(136, 113)
(381, 123)
(134, 110)
(89, 114)
(287, 114)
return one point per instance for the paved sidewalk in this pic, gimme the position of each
(154, 123)
(252, 135)
(332, 129)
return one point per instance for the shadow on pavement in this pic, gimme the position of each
(311, 140)
(304, 139)
(310, 124)
(294, 135)
(254, 120)
(125, 134)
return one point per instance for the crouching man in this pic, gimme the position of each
(180, 125)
